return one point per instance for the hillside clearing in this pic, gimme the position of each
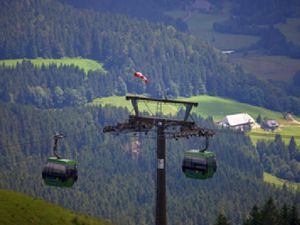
(268, 178)
(201, 25)
(84, 64)
(119, 101)
(269, 67)
(17, 208)
(291, 29)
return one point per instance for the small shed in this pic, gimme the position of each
(237, 121)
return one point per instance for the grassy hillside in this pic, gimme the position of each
(17, 208)
(85, 64)
(201, 25)
(120, 101)
(268, 178)
(291, 30)
(269, 67)
(218, 108)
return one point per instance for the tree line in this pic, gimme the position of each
(270, 213)
(279, 159)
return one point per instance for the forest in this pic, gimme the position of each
(268, 213)
(114, 184)
(178, 64)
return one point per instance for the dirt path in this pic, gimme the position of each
(294, 120)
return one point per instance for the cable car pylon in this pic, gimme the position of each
(166, 128)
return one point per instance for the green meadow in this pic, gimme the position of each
(268, 178)
(84, 64)
(216, 107)
(291, 29)
(17, 208)
(201, 25)
(269, 67)
(120, 101)
(219, 107)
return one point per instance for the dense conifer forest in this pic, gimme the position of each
(113, 184)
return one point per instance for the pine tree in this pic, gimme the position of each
(294, 218)
(284, 215)
(222, 220)
(259, 119)
(269, 213)
(292, 148)
(255, 216)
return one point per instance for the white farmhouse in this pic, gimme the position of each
(237, 121)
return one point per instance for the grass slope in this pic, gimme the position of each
(85, 64)
(17, 208)
(201, 24)
(217, 108)
(291, 29)
(268, 178)
(119, 101)
(269, 67)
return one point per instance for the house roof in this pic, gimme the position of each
(237, 119)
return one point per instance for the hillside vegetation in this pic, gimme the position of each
(84, 64)
(200, 24)
(269, 67)
(217, 108)
(17, 208)
(261, 63)
(177, 63)
(269, 178)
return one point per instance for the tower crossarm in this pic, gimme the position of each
(136, 99)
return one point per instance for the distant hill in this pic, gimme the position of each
(17, 208)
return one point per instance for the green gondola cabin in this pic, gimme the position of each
(199, 164)
(60, 172)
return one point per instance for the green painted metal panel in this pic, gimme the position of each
(62, 161)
